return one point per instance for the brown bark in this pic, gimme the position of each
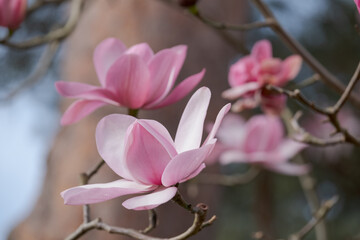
(74, 149)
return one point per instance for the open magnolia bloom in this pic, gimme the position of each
(133, 78)
(143, 153)
(12, 13)
(259, 141)
(249, 75)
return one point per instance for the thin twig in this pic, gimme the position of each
(319, 215)
(152, 221)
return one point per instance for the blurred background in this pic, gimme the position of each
(39, 158)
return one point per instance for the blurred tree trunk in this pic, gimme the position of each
(74, 150)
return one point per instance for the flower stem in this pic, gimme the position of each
(133, 112)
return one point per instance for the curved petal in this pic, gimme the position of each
(162, 135)
(179, 92)
(151, 200)
(357, 2)
(185, 164)
(105, 55)
(80, 109)
(164, 68)
(262, 50)
(237, 92)
(288, 149)
(84, 91)
(143, 50)
(94, 193)
(190, 129)
(195, 173)
(288, 168)
(111, 136)
(217, 123)
(290, 69)
(145, 156)
(128, 78)
(232, 130)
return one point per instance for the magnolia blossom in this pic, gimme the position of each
(143, 153)
(259, 141)
(12, 13)
(357, 2)
(134, 78)
(249, 75)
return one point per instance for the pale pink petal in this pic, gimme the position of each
(128, 78)
(288, 149)
(143, 50)
(243, 71)
(217, 123)
(288, 168)
(179, 92)
(164, 68)
(233, 156)
(246, 103)
(145, 156)
(111, 133)
(262, 50)
(190, 129)
(105, 54)
(80, 109)
(84, 91)
(185, 164)
(290, 69)
(162, 135)
(232, 130)
(151, 200)
(237, 92)
(94, 193)
(195, 173)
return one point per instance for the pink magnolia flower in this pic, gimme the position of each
(143, 153)
(12, 13)
(357, 2)
(134, 78)
(249, 75)
(259, 141)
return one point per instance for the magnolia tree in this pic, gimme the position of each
(149, 162)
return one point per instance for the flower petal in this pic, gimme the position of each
(232, 130)
(233, 156)
(179, 92)
(80, 109)
(262, 50)
(145, 156)
(84, 91)
(143, 50)
(288, 149)
(236, 92)
(105, 55)
(288, 168)
(190, 129)
(151, 200)
(128, 78)
(195, 173)
(290, 69)
(185, 164)
(217, 123)
(164, 68)
(111, 133)
(94, 193)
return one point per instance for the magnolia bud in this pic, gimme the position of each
(12, 13)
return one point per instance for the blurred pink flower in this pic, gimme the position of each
(133, 78)
(357, 2)
(250, 74)
(12, 13)
(259, 141)
(143, 153)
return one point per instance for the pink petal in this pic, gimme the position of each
(289, 168)
(190, 129)
(185, 164)
(243, 71)
(232, 130)
(273, 103)
(164, 68)
(94, 193)
(111, 134)
(162, 135)
(151, 200)
(237, 92)
(84, 91)
(288, 149)
(233, 156)
(143, 50)
(145, 156)
(291, 67)
(195, 173)
(217, 123)
(105, 54)
(179, 92)
(128, 78)
(79, 110)
(357, 2)
(262, 50)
